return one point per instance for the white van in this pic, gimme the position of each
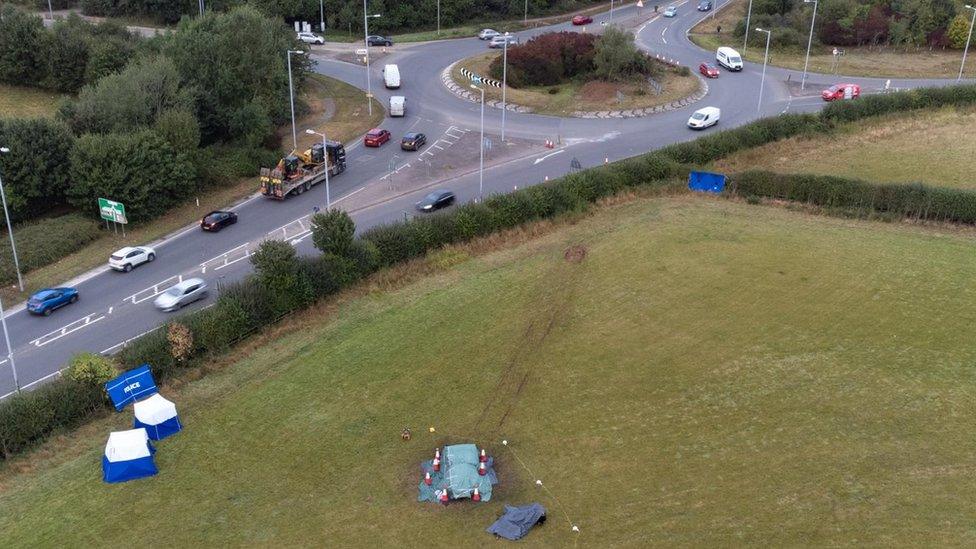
(391, 76)
(704, 117)
(729, 58)
(398, 105)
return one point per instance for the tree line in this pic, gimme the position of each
(933, 23)
(173, 114)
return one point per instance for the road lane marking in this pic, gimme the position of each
(154, 290)
(67, 329)
(537, 160)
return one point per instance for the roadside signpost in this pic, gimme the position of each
(113, 211)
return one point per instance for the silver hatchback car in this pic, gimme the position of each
(182, 294)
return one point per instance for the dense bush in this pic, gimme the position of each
(914, 200)
(616, 57)
(34, 172)
(333, 232)
(45, 241)
(140, 170)
(547, 59)
(30, 416)
(90, 369)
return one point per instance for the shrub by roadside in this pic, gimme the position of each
(45, 241)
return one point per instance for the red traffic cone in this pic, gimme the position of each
(483, 457)
(427, 480)
(482, 470)
(437, 464)
(444, 495)
(476, 496)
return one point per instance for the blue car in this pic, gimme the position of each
(47, 300)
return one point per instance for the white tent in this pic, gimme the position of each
(158, 416)
(128, 456)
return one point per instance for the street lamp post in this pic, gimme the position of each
(369, 88)
(813, 20)
(10, 229)
(325, 151)
(438, 17)
(50, 10)
(610, 19)
(966, 50)
(525, 17)
(291, 97)
(10, 351)
(481, 161)
(504, 82)
(762, 85)
(322, 16)
(745, 42)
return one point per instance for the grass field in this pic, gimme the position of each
(856, 61)
(21, 102)
(575, 96)
(710, 374)
(934, 147)
(349, 120)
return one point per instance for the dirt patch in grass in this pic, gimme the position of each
(566, 98)
(20, 102)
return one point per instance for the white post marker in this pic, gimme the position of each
(762, 84)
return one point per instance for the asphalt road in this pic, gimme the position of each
(116, 307)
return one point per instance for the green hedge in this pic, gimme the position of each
(913, 200)
(42, 242)
(247, 306)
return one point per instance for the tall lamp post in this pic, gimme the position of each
(966, 50)
(10, 351)
(504, 82)
(10, 229)
(762, 85)
(322, 16)
(50, 10)
(525, 17)
(369, 88)
(291, 97)
(325, 150)
(438, 17)
(813, 20)
(610, 19)
(745, 41)
(481, 161)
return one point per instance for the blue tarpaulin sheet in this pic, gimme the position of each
(517, 521)
(706, 182)
(130, 386)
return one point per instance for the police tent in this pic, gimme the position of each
(128, 456)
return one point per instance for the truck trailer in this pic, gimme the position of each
(297, 173)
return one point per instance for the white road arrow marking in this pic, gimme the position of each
(537, 160)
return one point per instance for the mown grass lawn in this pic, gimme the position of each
(20, 102)
(711, 373)
(933, 147)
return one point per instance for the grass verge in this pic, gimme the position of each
(874, 61)
(576, 96)
(19, 102)
(324, 96)
(933, 147)
(709, 373)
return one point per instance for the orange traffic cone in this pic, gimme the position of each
(482, 470)
(437, 464)
(483, 457)
(444, 495)
(476, 496)
(427, 480)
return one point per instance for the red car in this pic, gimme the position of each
(376, 137)
(711, 71)
(582, 19)
(839, 91)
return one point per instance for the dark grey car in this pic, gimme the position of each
(436, 200)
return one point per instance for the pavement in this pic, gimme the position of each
(115, 308)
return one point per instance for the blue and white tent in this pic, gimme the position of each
(131, 386)
(157, 416)
(128, 456)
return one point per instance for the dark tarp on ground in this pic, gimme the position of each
(517, 521)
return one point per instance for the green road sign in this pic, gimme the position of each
(111, 210)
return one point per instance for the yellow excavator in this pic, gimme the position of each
(299, 171)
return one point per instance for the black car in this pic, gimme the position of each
(704, 5)
(214, 221)
(377, 40)
(436, 200)
(413, 141)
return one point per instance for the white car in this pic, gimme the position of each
(499, 41)
(310, 38)
(704, 118)
(181, 295)
(130, 257)
(487, 34)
